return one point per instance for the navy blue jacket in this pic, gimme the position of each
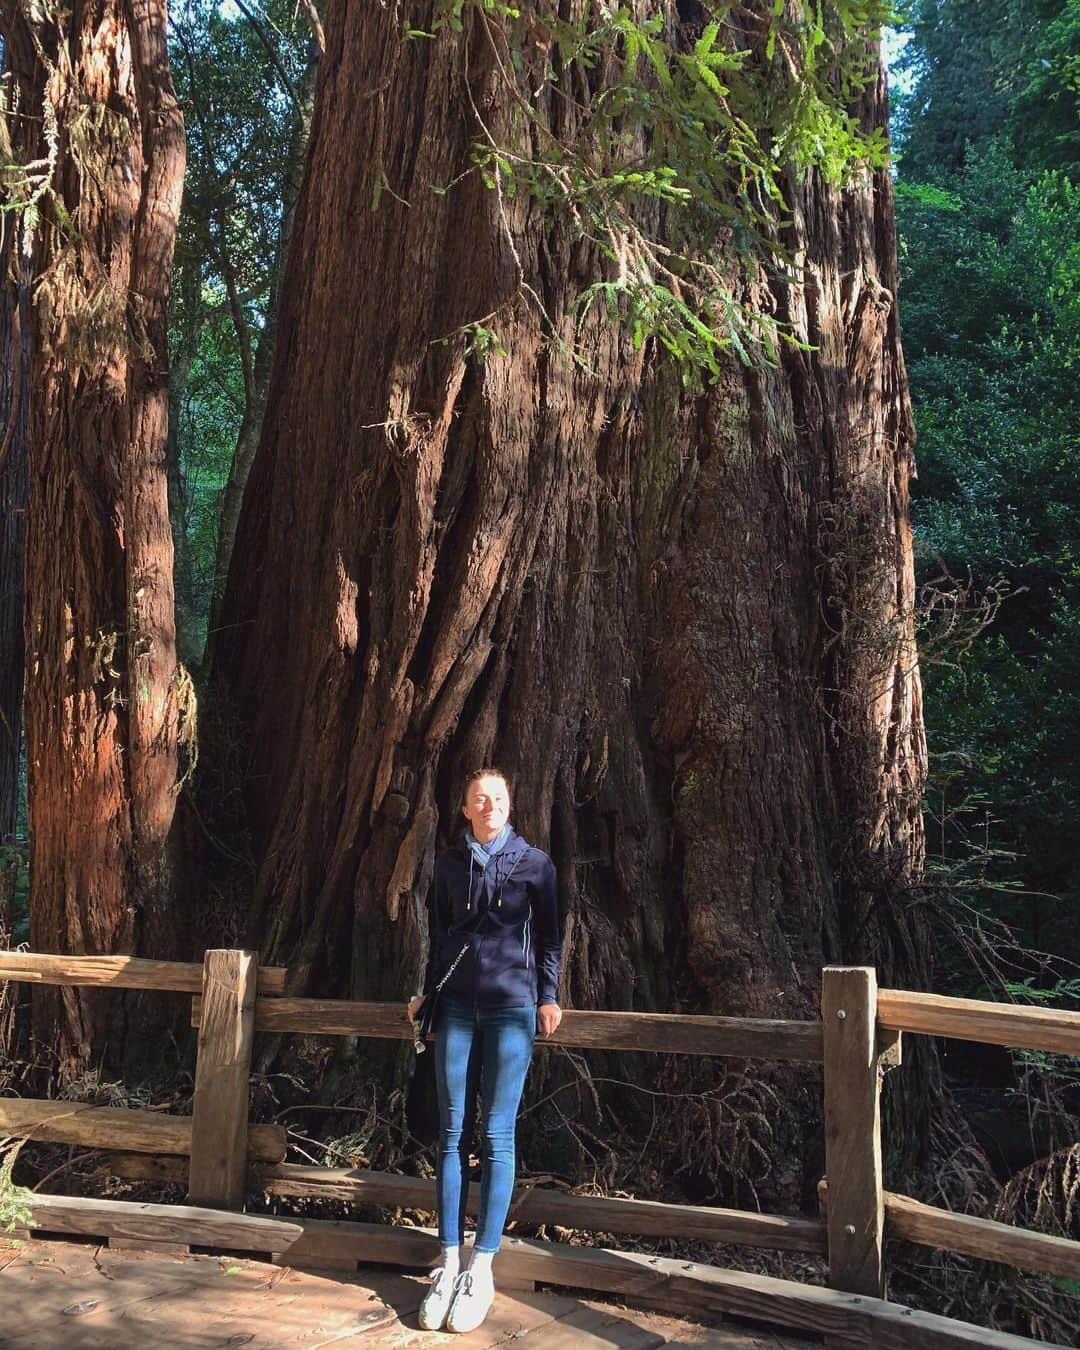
(508, 914)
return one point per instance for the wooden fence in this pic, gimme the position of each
(219, 1155)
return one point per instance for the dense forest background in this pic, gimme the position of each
(986, 139)
(988, 146)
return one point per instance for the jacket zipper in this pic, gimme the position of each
(480, 941)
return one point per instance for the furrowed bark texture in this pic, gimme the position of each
(103, 688)
(681, 623)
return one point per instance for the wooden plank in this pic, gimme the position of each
(150, 1302)
(118, 1127)
(711, 1290)
(856, 1209)
(983, 1238)
(519, 1315)
(510, 1285)
(534, 1205)
(866, 1321)
(688, 1332)
(155, 1245)
(597, 1329)
(969, 1019)
(90, 1298)
(663, 1033)
(160, 1223)
(319, 1259)
(216, 1173)
(121, 972)
(399, 1289)
(49, 1278)
(345, 1239)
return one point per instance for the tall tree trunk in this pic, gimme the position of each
(14, 402)
(682, 623)
(182, 358)
(257, 380)
(105, 697)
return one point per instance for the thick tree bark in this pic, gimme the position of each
(683, 624)
(105, 697)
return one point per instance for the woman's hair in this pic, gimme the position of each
(471, 777)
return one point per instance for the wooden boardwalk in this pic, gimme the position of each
(56, 1295)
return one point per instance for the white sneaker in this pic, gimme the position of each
(473, 1296)
(437, 1300)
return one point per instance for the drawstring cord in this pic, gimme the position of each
(502, 884)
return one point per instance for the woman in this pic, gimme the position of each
(494, 972)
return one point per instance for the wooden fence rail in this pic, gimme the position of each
(109, 1127)
(531, 1204)
(985, 1239)
(661, 1033)
(969, 1235)
(969, 1019)
(220, 1155)
(120, 972)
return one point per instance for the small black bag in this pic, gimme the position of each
(425, 1014)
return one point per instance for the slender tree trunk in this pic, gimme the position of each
(682, 623)
(14, 402)
(257, 387)
(188, 646)
(105, 697)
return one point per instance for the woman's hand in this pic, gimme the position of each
(414, 1006)
(548, 1018)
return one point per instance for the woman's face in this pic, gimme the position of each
(487, 806)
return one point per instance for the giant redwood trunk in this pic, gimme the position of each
(104, 694)
(681, 622)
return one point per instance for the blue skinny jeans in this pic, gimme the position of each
(485, 1049)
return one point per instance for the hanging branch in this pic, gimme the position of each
(272, 52)
(309, 9)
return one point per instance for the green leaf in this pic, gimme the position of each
(704, 45)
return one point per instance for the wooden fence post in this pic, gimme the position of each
(219, 1126)
(856, 1203)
